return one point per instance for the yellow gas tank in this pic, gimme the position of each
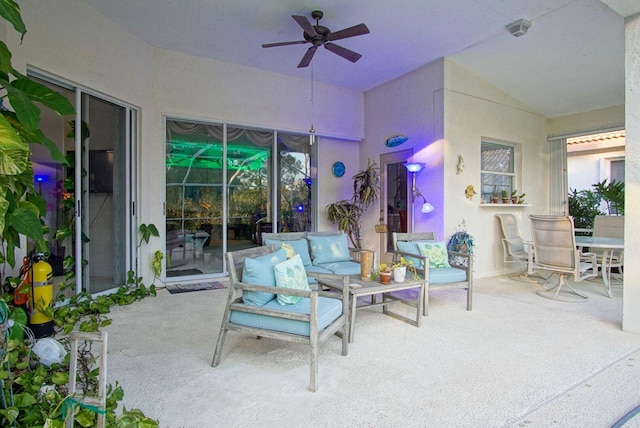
(41, 297)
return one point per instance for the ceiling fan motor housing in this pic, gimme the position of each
(323, 34)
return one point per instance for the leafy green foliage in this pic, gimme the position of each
(612, 194)
(10, 11)
(24, 377)
(34, 394)
(584, 205)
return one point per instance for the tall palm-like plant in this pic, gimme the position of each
(347, 213)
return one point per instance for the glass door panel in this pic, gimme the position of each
(249, 186)
(194, 199)
(97, 181)
(395, 195)
(105, 196)
(295, 184)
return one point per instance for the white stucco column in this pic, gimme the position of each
(631, 293)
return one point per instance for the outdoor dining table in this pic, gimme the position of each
(608, 245)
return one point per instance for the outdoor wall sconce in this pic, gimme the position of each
(414, 168)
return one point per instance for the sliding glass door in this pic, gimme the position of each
(88, 199)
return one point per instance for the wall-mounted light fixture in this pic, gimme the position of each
(414, 168)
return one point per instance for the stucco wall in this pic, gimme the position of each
(631, 291)
(409, 105)
(585, 170)
(587, 122)
(445, 111)
(330, 187)
(67, 38)
(473, 110)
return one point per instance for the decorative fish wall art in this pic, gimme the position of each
(396, 140)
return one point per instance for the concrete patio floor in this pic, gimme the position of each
(516, 360)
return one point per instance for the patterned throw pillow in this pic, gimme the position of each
(436, 252)
(291, 274)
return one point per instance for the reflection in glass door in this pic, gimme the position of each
(249, 178)
(194, 199)
(98, 180)
(395, 197)
(295, 184)
(105, 193)
(221, 196)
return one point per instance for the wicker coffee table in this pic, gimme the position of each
(359, 287)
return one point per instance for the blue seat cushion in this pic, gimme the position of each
(446, 275)
(311, 269)
(318, 269)
(342, 268)
(328, 311)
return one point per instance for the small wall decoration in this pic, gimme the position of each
(460, 166)
(338, 169)
(396, 140)
(469, 191)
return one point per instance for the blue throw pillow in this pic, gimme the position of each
(410, 247)
(291, 274)
(300, 246)
(259, 271)
(329, 248)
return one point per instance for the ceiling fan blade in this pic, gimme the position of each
(343, 52)
(306, 59)
(305, 24)
(356, 30)
(271, 45)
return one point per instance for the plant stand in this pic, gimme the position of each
(97, 403)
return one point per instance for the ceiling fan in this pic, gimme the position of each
(319, 35)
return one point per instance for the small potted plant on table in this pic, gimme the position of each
(400, 268)
(384, 272)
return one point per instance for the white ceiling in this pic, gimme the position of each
(571, 60)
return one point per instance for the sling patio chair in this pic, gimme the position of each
(555, 250)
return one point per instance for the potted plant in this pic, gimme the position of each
(400, 268)
(505, 197)
(384, 272)
(495, 196)
(347, 214)
(514, 196)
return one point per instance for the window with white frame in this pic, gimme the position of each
(617, 170)
(497, 169)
